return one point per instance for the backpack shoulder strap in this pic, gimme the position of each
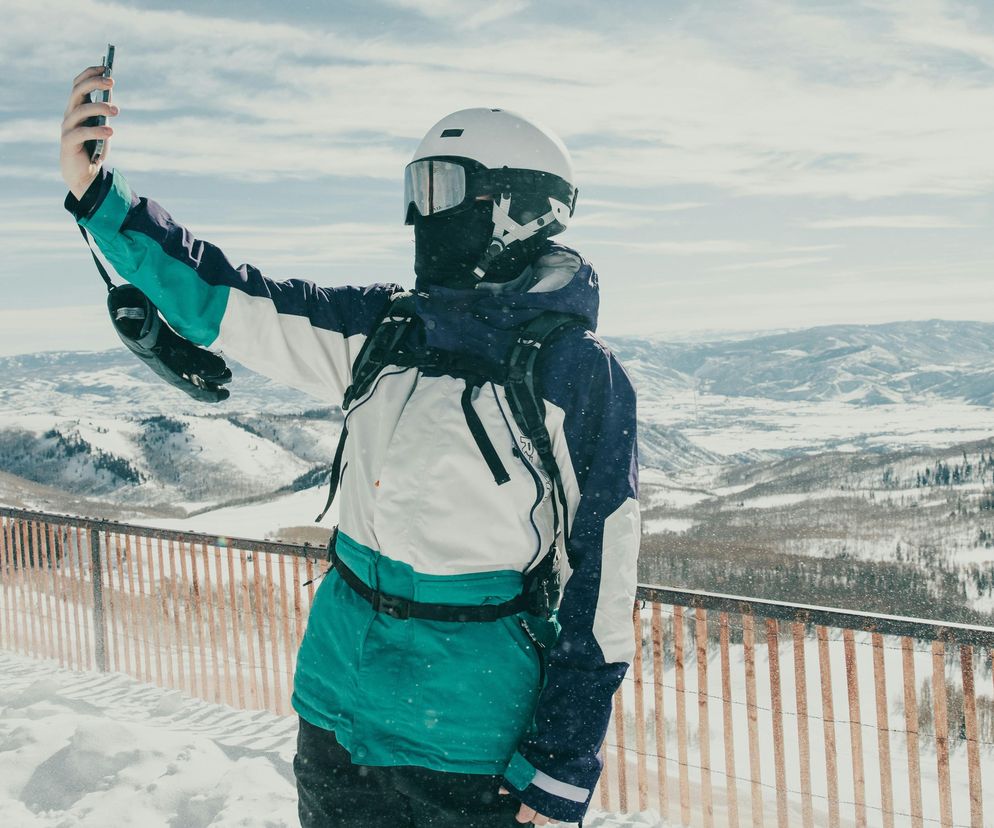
(381, 346)
(527, 405)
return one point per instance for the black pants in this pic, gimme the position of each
(333, 792)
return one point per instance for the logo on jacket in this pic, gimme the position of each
(528, 450)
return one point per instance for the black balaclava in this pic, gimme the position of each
(447, 248)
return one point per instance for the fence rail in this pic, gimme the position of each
(736, 712)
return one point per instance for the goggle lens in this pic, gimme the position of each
(433, 186)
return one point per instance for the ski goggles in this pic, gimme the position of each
(436, 185)
(433, 186)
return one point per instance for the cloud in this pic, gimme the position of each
(69, 328)
(228, 148)
(808, 248)
(642, 207)
(35, 233)
(614, 219)
(686, 248)
(271, 248)
(318, 100)
(712, 132)
(786, 263)
(898, 222)
(942, 26)
(33, 173)
(339, 243)
(461, 14)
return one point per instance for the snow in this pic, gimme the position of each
(774, 501)
(219, 442)
(79, 749)
(111, 436)
(653, 526)
(76, 748)
(91, 750)
(732, 426)
(254, 520)
(676, 498)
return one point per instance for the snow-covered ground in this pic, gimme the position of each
(678, 525)
(741, 426)
(90, 750)
(83, 749)
(254, 520)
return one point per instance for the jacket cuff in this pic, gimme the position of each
(112, 201)
(83, 208)
(548, 796)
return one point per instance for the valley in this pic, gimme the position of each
(851, 466)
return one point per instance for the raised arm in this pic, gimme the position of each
(292, 331)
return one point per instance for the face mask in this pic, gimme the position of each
(447, 248)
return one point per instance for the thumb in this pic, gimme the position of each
(503, 791)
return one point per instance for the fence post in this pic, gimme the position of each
(97, 580)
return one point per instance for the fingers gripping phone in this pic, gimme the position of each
(95, 147)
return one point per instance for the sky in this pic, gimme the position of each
(743, 165)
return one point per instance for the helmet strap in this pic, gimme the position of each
(507, 231)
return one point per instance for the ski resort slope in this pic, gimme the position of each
(261, 520)
(92, 750)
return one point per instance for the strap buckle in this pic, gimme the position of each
(395, 607)
(541, 601)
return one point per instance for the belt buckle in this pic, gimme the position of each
(395, 607)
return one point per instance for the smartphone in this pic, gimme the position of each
(95, 146)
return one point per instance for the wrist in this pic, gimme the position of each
(79, 189)
(83, 204)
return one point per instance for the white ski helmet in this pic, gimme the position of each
(493, 152)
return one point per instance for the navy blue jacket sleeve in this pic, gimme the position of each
(292, 330)
(557, 764)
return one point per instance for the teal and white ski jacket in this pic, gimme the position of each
(422, 516)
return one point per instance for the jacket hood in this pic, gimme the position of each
(483, 321)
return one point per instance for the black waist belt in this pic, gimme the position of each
(402, 608)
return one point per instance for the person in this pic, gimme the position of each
(421, 701)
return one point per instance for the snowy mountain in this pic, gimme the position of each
(905, 532)
(115, 381)
(100, 425)
(901, 362)
(838, 388)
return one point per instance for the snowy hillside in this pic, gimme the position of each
(88, 749)
(902, 362)
(100, 425)
(905, 532)
(785, 448)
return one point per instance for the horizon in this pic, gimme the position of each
(828, 164)
(689, 337)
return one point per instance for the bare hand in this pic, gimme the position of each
(526, 814)
(77, 170)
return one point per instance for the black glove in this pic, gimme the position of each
(178, 361)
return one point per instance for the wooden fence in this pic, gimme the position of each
(736, 712)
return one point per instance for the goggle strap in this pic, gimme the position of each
(505, 226)
(506, 232)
